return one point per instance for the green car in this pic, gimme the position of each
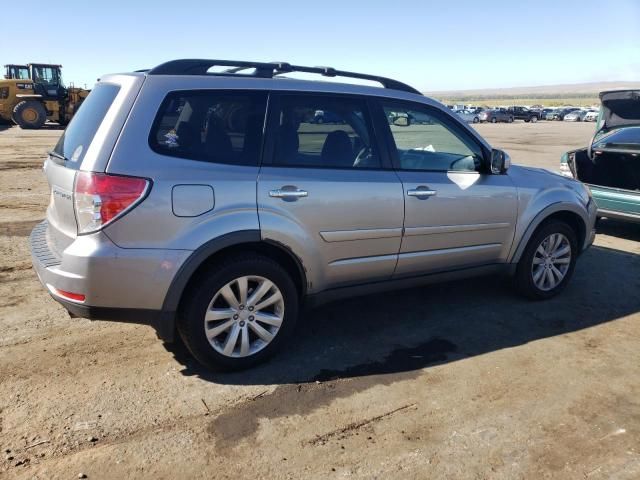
(610, 165)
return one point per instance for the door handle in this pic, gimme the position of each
(421, 192)
(280, 193)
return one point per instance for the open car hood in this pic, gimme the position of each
(620, 108)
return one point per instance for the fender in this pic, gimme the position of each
(541, 217)
(191, 264)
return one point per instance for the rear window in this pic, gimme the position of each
(211, 126)
(77, 137)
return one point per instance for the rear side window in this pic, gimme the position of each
(210, 126)
(77, 137)
(324, 131)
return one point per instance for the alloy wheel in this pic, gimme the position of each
(244, 316)
(551, 261)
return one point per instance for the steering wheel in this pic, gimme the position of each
(363, 155)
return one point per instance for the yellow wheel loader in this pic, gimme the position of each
(34, 93)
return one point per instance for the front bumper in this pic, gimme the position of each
(592, 211)
(118, 284)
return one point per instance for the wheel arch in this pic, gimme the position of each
(567, 213)
(233, 243)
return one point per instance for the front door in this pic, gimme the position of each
(456, 214)
(327, 192)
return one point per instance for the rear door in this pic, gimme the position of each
(327, 191)
(455, 214)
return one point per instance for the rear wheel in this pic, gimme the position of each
(548, 261)
(534, 119)
(29, 114)
(476, 119)
(494, 120)
(510, 119)
(240, 313)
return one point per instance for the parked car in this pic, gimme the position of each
(575, 116)
(610, 165)
(523, 113)
(544, 112)
(551, 114)
(469, 116)
(561, 113)
(495, 115)
(219, 222)
(591, 116)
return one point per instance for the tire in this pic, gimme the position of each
(494, 120)
(534, 119)
(29, 114)
(476, 119)
(206, 296)
(510, 120)
(526, 270)
(527, 120)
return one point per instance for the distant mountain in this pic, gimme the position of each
(570, 90)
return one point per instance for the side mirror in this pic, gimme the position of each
(401, 121)
(500, 161)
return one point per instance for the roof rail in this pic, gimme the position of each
(266, 70)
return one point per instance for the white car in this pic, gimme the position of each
(591, 116)
(469, 116)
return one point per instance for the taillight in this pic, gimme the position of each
(100, 198)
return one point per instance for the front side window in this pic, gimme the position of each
(211, 126)
(325, 132)
(425, 141)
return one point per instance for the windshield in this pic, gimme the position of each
(77, 137)
(620, 138)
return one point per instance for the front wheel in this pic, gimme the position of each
(239, 314)
(476, 119)
(510, 119)
(29, 114)
(534, 119)
(494, 120)
(548, 261)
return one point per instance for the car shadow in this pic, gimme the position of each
(616, 228)
(406, 331)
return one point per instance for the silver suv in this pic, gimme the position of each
(213, 204)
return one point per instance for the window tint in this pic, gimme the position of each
(425, 142)
(77, 137)
(210, 126)
(322, 131)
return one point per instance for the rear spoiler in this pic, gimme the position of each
(620, 108)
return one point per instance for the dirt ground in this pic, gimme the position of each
(462, 380)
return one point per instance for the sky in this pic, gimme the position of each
(431, 45)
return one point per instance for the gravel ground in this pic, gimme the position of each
(459, 380)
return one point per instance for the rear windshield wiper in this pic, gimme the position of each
(58, 156)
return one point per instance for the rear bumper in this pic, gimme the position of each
(118, 284)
